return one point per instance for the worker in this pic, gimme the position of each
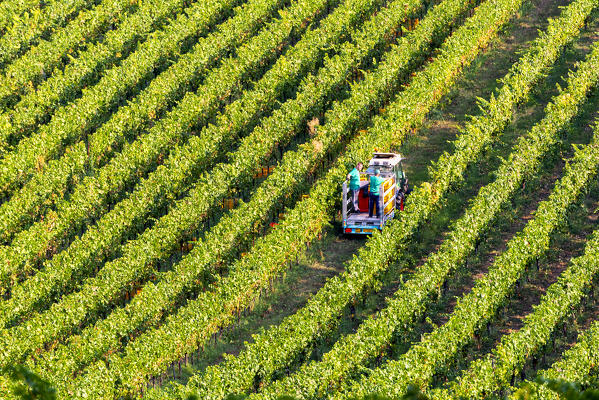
(375, 183)
(354, 185)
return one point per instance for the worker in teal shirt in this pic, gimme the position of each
(375, 184)
(354, 185)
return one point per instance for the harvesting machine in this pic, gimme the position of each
(393, 191)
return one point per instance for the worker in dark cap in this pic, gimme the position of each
(375, 184)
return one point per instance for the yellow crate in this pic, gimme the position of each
(388, 183)
(388, 196)
(229, 204)
(263, 172)
(389, 208)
